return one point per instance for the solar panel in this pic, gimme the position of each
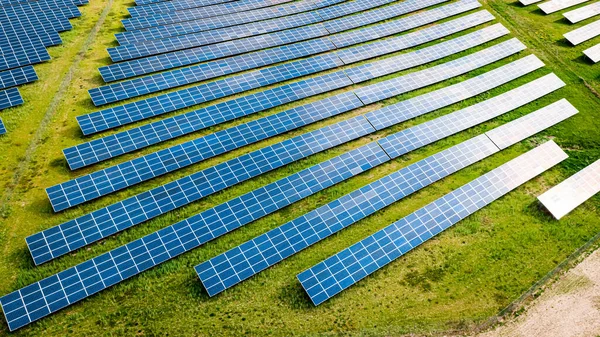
(178, 77)
(24, 26)
(593, 53)
(212, 10)
(37, 17)
(134, 139)
(584, 33)
(351, 265)
(66, 8)
(28, 54)
(404, 111)
(2, 127)
(393, 87)
(571, 193)
(583, 13)
(86, 188)
(246, 260)
(396, 26)
(528, 2)
(18, 76)
(199, 2)
(10, 98)
(212, 24)
(183, 236)
(177, 59)
(241, 17)
(558, 5)
(160, 19)
(153, 47)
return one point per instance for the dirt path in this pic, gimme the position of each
(570, 307)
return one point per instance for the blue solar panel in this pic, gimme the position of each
(2, 127)
(205, 71)
(127, 141)
(144, 206)
(249, 29)
(26, 55)
(73, 192)
(235, 18)
(140, 255)
(396, 26)
(10, 98)
(39, 18)
(170, 10)
(25, 27)
(185, 57)
(238, 264)
(113, 117)
(162, 81)
(66, 8)
(419, 105)
(199, 2)
(18, 76)
(351, 265)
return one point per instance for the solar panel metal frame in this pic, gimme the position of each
(565, 197)
(528, 2)
(593, 53)
(584, 33)
(583, 13)
(351, 265)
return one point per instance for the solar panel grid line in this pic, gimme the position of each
(353, 264)
(2, 127)
(415, 107)
(535, 122)
(200, 2)
(553, 6)
(135, 87)
(593, 53)
(20, 36)
(38, 19)
(195, 26)
(174, 78)
(26, 25)
(163, 10)
(571, 193)
(9, 98)
(584, 33)
(19, 46)
(429, 54)
(238, 264)
(476, 114)
(144, 206)
(29, 54)
(141, 22)
(71, 193)
(148, 65)
(65, 8)
(396, 26)
(17, 76)
(181, 58)
(583, 13)
(392, 87)
(113, 117)
(192, 44)
(117, 144)
(250, 16)
(135, 257)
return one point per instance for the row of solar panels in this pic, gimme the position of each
(27, 28)
(51, 294)
(581, 34)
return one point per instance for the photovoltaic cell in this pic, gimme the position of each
(140, 22)
(207, 11)
(162, 81)
(54, 240)
(351, 265)
(18, 76)
(254, 15)
(593, 53)
(2, 127)
(571, 193)
(30, 54)
(558, 5)
(9, 98)
(584, 33)
(397, 26)
(114, 145)
(199, 2)
(583, 13)
(92, 186)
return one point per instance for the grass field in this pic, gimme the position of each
(453, 282)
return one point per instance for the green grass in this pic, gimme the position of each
(453, 282)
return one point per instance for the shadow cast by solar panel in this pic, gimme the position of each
(563, 21)
(293, 296)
